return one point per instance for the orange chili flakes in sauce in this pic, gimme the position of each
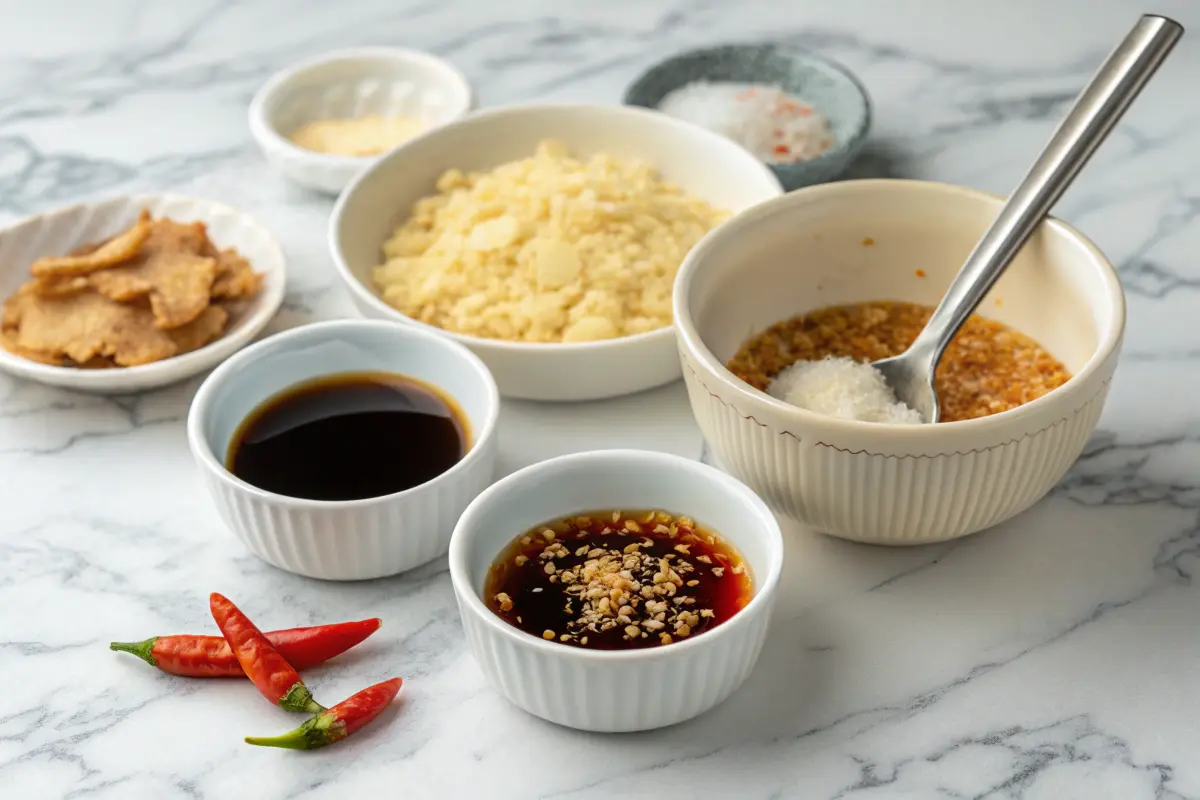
(988, 367)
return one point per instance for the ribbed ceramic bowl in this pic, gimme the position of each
(700, 162)
(614, 691)
(866, 240)
(388, 81)
(356, 539)
(827, 85)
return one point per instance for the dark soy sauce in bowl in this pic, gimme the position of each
(349, 437)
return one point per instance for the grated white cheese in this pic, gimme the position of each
(842, 387)
(772, 124)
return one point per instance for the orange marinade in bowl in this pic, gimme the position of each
(988, 367)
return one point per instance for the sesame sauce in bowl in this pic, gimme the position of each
(618, 580)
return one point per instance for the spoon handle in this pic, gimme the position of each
(1097, 109)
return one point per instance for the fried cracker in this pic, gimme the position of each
(173, 292)
(116, 250)
(8, 339)
(97, 362)
(84, 325)
(169, 270)
(56, 287)
(235, 276)
(200, 331)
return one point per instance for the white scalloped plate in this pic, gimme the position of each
(56, 232)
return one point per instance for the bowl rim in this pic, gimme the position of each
(600, 460)
(266, 132)
(363, 293)
(262, 311)
(1109, 339)
(201, 408)
(838, 150)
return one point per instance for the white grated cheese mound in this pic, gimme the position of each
(773, 125)
(842, 387)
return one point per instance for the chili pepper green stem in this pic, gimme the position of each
(299, 698)
(140, 649)
(317, 732)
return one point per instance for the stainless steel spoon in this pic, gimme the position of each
(1096, 111)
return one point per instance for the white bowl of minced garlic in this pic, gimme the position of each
(321, 122)
(544, 238)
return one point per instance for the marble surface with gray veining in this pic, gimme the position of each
(1054, 657)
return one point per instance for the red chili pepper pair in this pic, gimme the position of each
(247, 650)
(210, 656)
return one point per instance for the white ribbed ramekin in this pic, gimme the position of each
(387, 81)
(354, 539)
(615, 691)
(892, 240)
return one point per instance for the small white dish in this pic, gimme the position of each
(57, 232)
(702, 163)
(351, 539)
(853, 241)
(387, 81)
(621, 690)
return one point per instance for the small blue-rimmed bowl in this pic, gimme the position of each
(825, 84)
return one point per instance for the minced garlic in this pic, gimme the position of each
(545, 249)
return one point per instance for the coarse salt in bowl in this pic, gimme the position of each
(695, 85)
(701, 163)
(777, 127)
(856, 241)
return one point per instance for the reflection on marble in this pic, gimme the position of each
(1052, 657)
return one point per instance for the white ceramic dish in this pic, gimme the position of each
(703, 163)
(613, 691)
(356, 539)
(57, 232)
(892, 484)
(388, 81)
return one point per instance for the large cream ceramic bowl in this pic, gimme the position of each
(867, 240)
(700, 162)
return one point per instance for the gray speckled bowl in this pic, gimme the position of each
(825, 84)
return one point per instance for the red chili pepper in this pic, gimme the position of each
(782, 149)
(210, 656)
(338, 722)
(271, 673)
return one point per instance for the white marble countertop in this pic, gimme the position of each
(1053, 657)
